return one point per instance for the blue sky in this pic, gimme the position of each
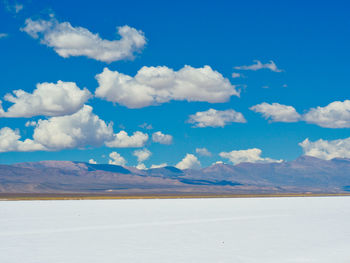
(309, 43)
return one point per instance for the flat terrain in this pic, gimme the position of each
(106, 196)
(246, 230)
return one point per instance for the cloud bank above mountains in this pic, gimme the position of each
(249, 155)
(327, 149)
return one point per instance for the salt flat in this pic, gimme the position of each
(311, 229)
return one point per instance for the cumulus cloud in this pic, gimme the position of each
(327, 150)
(78, 130)
(69, 41)
(48, 99)
(249, 155)
(73, 131)
(157, 85)
(3, 35)
(203, 151)
(92, 161)
(142, 155)
(154, 166)
(162, 138)
(116, 159)
(190, 161)
(334, 115)
(10, 142)
(258, 65)
(277, 112)
(123, 140)
(215, 118)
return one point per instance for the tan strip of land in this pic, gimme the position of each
(32, 197)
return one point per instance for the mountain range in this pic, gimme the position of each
(303, 175)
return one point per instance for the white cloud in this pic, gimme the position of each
(30, 124)
(236, 75)
(146, 126)
(13, 7)
(10, 142)
(154, 166)
(123, 140)
(203, 151)
(215, 118)
(48, 99)
(157, 85)
(92, 161)
(68, 41)
(190, 161)
(249, 155)
(3, 35)
(162, 138)
(141, 166)
(18, 8)
(78, 130)
(258, 65)
(73, 131)
(327, 150)
(142, 155)
(334, 115)
(116, 159)
(277, 112)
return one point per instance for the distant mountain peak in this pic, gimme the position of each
(305, 174)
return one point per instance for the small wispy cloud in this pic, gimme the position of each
(203, 151)
(18, 8)
(236, 75)
(3, 35)
(258, 65)
(146, 126)
(13, 7)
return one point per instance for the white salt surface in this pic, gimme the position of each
(272, 230)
